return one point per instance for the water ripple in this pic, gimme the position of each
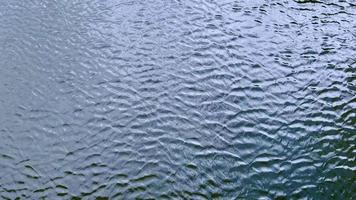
(177, 99)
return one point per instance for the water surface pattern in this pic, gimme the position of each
(177, 99)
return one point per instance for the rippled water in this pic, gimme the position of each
(177, 99)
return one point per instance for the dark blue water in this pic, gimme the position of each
(177, 99)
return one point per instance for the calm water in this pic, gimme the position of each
(177, 99)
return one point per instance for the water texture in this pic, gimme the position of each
(177, 99)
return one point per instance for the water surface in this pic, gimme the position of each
(177, 99)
